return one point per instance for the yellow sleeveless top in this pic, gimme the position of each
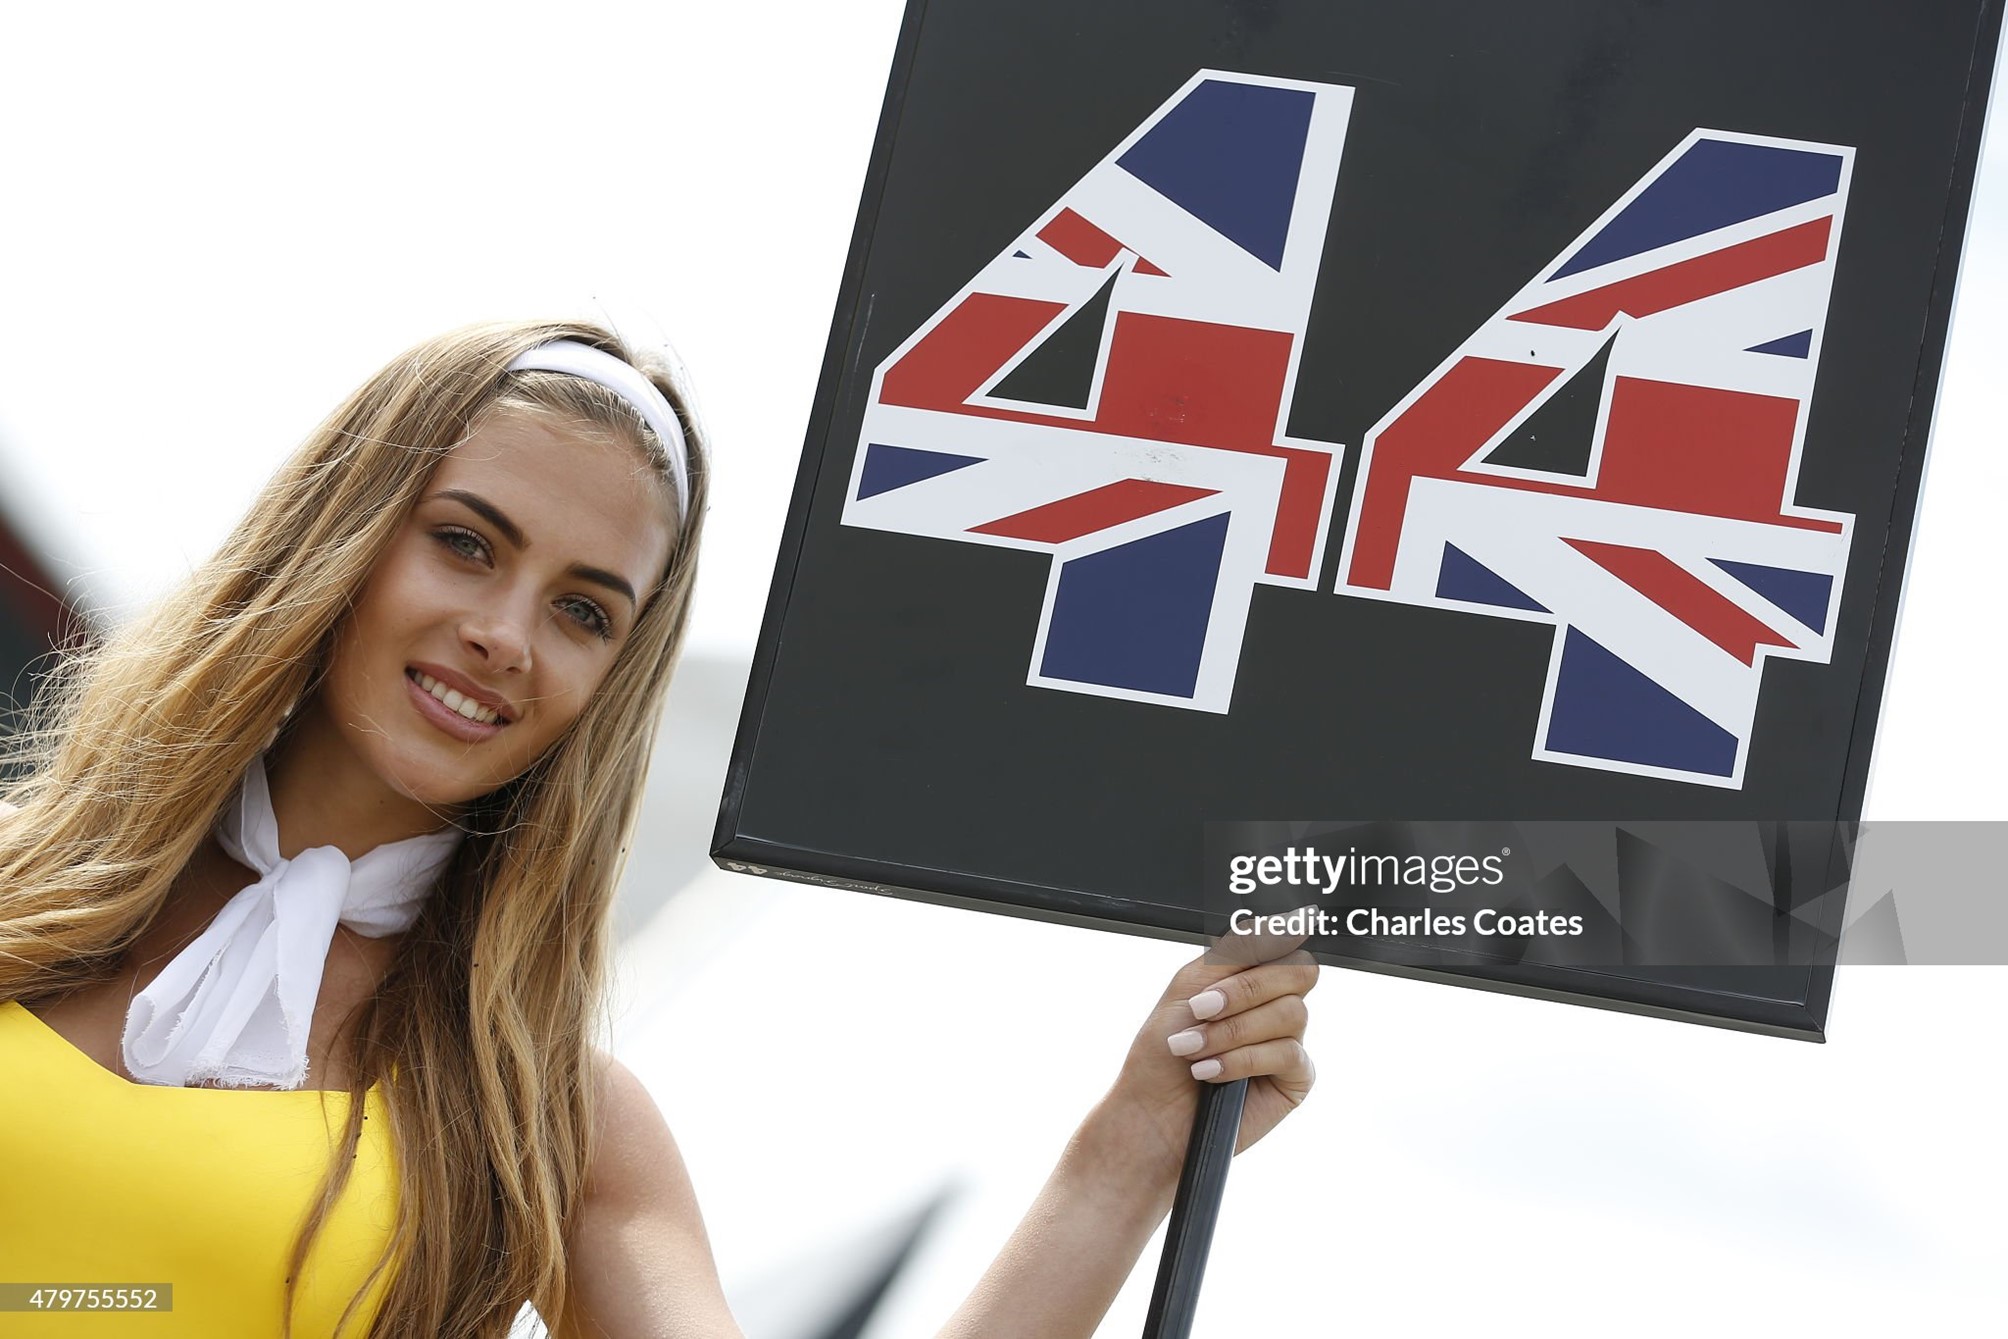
(108, 1182)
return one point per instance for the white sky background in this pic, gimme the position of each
(219, 220)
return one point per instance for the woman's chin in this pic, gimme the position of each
(437, 779)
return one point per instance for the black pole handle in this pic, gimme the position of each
(1215, 1127)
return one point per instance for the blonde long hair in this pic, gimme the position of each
(487, 1009)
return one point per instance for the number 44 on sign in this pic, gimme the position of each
(1615, 453)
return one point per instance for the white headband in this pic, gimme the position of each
(602, 368)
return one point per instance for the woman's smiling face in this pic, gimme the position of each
(498, 609)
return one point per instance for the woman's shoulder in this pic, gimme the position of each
(635, 1147)
(637, 1249)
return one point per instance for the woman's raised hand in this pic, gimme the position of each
(1226, 1015)
(1236, 1013)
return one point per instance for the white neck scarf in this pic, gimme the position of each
(234, 1007)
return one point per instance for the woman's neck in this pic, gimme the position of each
(323, 794)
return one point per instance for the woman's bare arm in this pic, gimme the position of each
(1077, 1244)
(641, 1264)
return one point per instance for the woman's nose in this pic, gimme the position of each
(500, 638)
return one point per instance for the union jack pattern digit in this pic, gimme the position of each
(1113, 391)
(1616, 453)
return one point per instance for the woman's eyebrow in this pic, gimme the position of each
(510, 531)
(488, 512)
(599, 576)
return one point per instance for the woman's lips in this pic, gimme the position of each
(452, 722)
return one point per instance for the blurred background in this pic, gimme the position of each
(221, 218)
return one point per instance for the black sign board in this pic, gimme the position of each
(1361, 413)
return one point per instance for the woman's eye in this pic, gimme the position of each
(588, 615)
(462, 543)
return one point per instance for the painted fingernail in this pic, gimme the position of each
(1206, 1069)
(1207, 1003)
(1187, 1042)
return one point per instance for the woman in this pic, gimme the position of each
(340, 825)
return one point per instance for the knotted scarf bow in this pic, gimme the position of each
(234, 1007)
